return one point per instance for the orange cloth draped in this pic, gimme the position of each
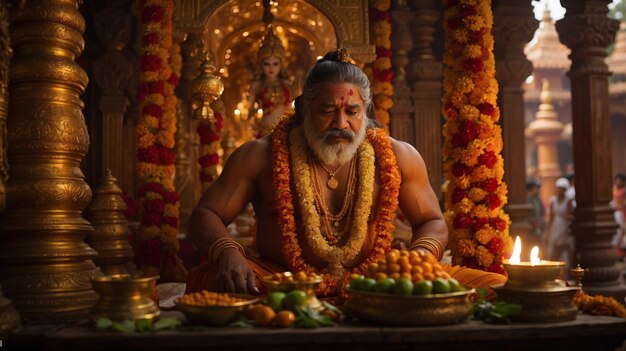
(203, 276)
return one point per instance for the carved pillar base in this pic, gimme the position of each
(45, 266)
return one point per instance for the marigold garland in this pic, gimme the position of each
(155, 135)
(210, 159)
(599, 305)
(382, 89)
(389, 179)
(476, 194)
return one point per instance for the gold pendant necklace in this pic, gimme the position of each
(332, 183)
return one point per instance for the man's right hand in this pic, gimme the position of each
(234, 274)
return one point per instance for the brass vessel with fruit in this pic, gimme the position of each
(408, 288)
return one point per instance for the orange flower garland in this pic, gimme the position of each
(155, 133)
(476, 194)
(599, 305)
(382, 89)
(210, 160)
(389, 190)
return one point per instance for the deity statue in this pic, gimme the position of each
(271, 91)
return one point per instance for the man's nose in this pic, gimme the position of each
(341, 120)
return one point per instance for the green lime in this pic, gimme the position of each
(275, 300)
(385, 285)
(441, 286)
(455, 286)
(294, 298)
(403, 287)
(423, 287)
(367, 284)
(355, 283)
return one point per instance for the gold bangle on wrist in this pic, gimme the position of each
(428, 243)
(221, 244)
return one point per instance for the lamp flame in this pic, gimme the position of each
(534, 256)
(517, 250)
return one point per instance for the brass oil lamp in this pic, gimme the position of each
(536, 287)
(206, 88)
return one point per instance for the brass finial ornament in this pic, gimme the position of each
(578, 273)
(110, 235)
(206, 88)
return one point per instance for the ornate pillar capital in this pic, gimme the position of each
(514, 24)
(589, 45)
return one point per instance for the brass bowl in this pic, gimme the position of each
(389, 309)
(525, 275)
(216, 315)
(308, 286)
(124, 297)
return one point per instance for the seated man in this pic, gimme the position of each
(325, 186)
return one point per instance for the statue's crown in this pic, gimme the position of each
(271, 46)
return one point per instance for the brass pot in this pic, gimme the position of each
(389, 309)
(124, 297)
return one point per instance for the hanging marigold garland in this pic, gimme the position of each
(155, 135)
(210, 150)
(382, 89)
(476, 194)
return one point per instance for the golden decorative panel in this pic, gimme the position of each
(349, 19)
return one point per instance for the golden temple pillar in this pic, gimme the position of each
(547, 129)
(587, 31)
(111, 232)
(426, 77)
(9, 318)
(45, 265)
(514, 25)
(401, 43)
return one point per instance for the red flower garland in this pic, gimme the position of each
(210, 159)
(476, 194)
(155, 132)
(382, 88)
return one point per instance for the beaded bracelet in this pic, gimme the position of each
(221, 244)
(431, 244)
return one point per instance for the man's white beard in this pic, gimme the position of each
(333, 154)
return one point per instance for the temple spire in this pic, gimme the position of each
(547, 51)
(547, 129)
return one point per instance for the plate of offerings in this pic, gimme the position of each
(213, 309)
(408, 288)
